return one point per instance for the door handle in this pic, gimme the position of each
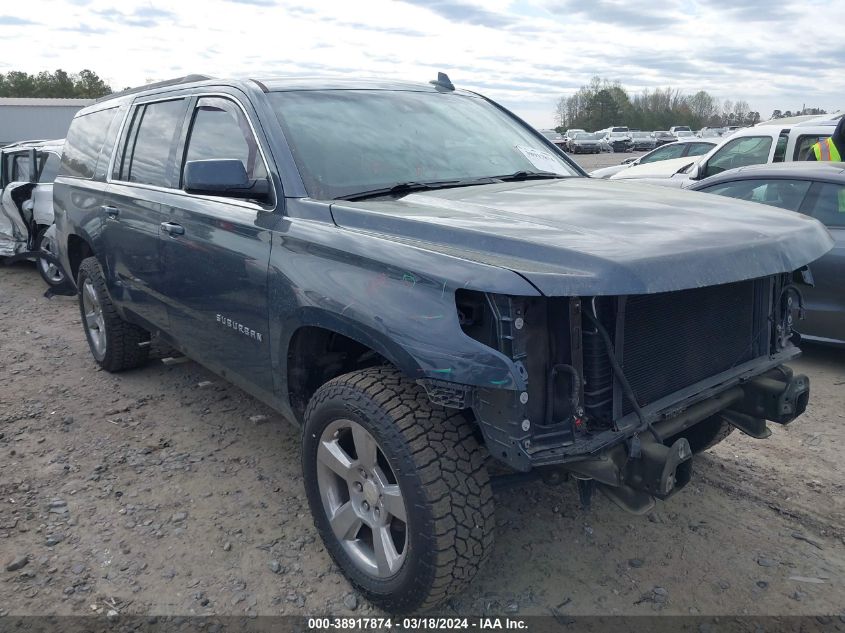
(171, 228)
(111, 212)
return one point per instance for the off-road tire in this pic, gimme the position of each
(440, 468)
(124, 349)
(706, 434)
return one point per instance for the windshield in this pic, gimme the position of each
(585, 136)
(384, 138)
(640, 135)
(683, 133)
(551, 135)
(618, 134)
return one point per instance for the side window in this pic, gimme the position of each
(50, 169)
(84, 141)
(20, 168)
(221, 130)
(780, 148)
(827, 204)
(156, 129)
(739, 152)
(666, 152)
(786, 194)
(109, 143)
(804, 145)
(697, 149)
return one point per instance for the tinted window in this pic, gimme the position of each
(152, 159)
(828, 204)
(390, 137)
(786, 194)
(804, 145)
(664, 153)
(50, 168)
(109, 144)
(220, 130)
(780, 148)
(84, 141)
(740, 152)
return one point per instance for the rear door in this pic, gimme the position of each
(826, 301)
(136, 207)
(217, 250)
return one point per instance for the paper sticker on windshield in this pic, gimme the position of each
(542, 161)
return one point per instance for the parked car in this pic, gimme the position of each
(679, 128)
(643, 141)
(814, 189)
(585, 143)
(436, 290)
(555, 137)
(619, 141)
(26, 205)
(661, 137)
(710, 132)
(569, 135)
(678, 149)
(683, 134)
(747, 146)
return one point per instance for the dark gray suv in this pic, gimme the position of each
(425, 285)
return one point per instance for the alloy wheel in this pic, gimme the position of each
(362, 499)
(49, 270)
(94, 321)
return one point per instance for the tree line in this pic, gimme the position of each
(85, 84)
(603, 103)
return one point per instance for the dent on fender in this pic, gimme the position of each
(365, 286)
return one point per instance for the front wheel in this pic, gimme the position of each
(398, 489)
(45, 242)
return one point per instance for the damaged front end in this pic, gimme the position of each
(610, 388)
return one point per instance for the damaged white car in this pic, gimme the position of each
(27, 171)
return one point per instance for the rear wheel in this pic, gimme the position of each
(49, 271)
(398, 488)
(115, 344)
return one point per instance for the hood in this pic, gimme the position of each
(580, 236)
(659, 169)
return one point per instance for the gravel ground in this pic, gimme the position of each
(167, 491)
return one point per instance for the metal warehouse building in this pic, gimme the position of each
(25, 119)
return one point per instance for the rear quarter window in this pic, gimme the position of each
(85, 140)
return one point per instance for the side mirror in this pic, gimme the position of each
(695, 171)
(224, 177)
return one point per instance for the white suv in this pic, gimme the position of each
(747, 146)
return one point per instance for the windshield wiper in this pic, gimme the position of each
(529, 175)
(404, 188)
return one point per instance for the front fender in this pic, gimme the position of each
(380, 293)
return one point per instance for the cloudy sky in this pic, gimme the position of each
(524, 53)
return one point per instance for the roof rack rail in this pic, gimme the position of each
(187, 79)
(26, 142)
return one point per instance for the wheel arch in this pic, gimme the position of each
(325, 345)
(78, 249)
